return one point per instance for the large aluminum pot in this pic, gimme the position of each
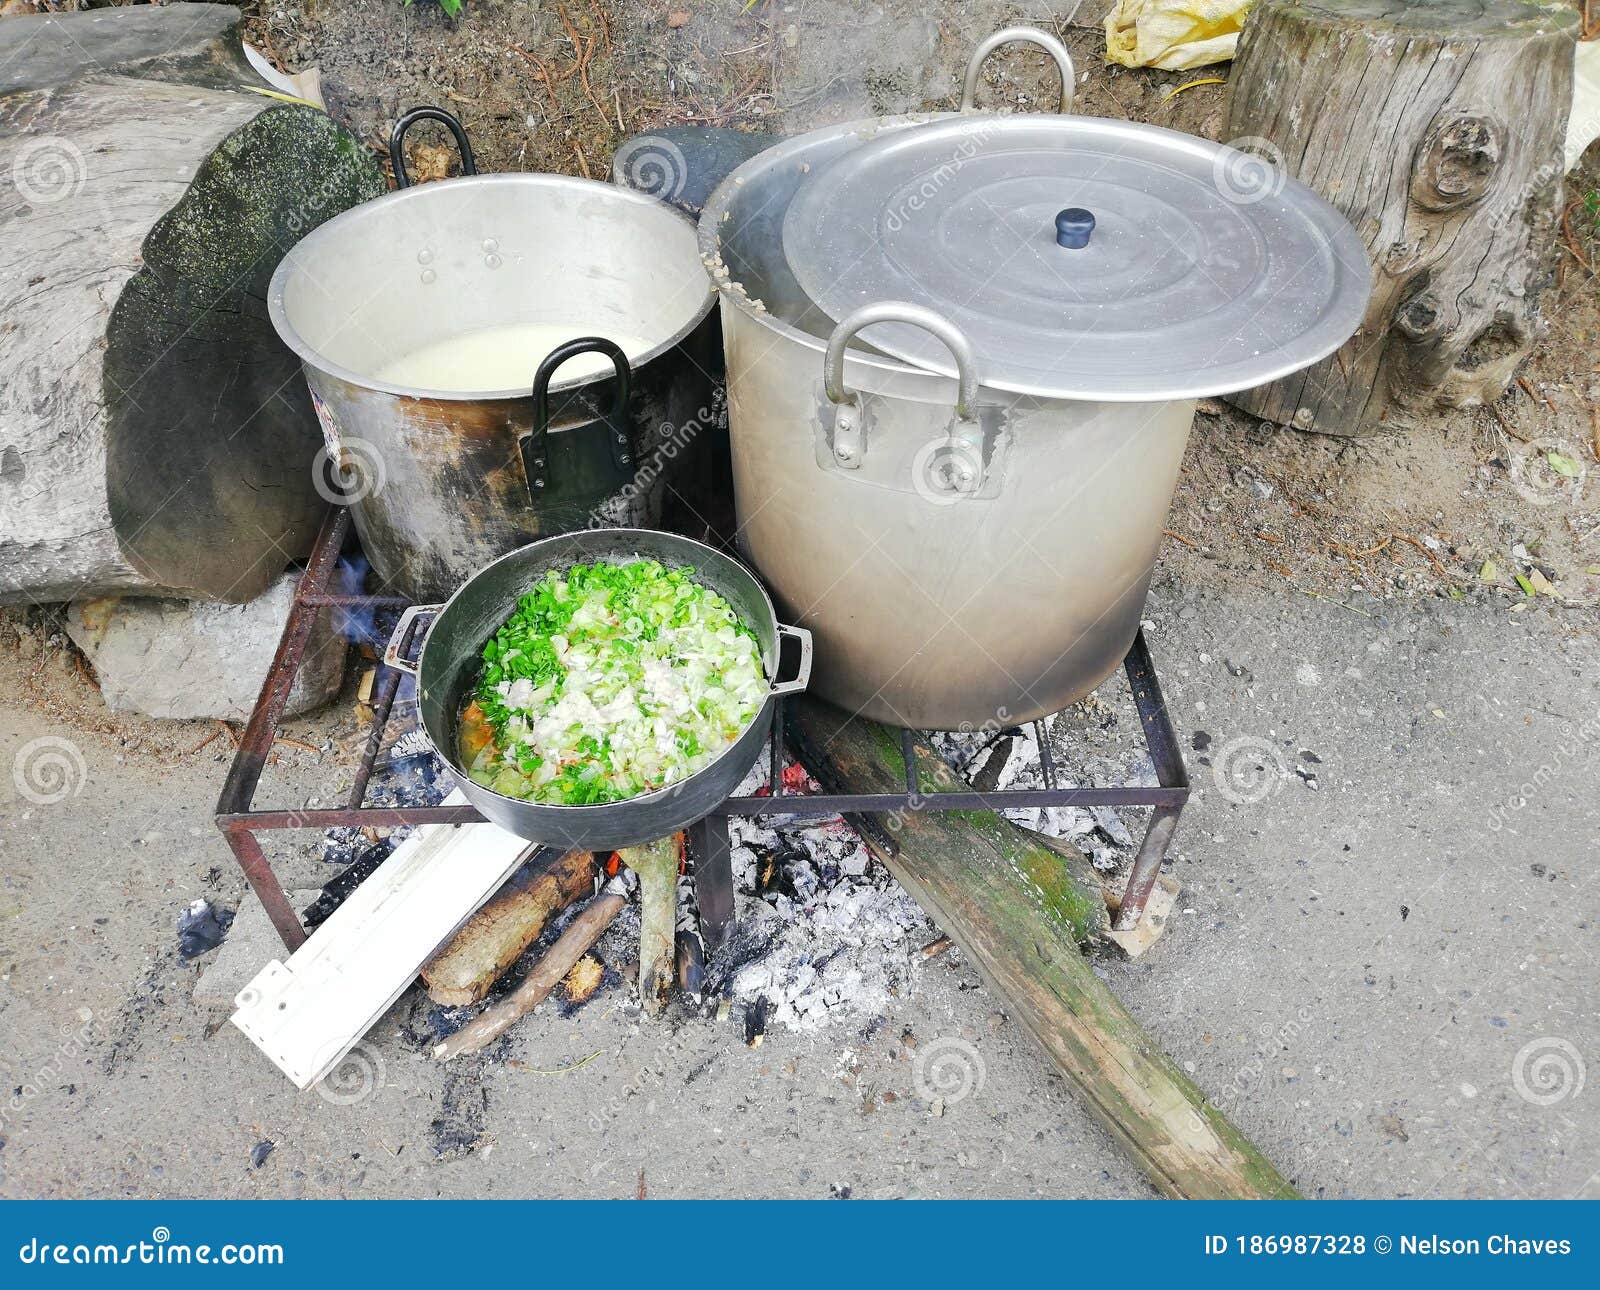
(968, 549)
(452, 656)
(930, 608)
(444, 481)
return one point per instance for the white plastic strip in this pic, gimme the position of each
(306, 1014)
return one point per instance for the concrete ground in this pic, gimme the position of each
(1387, 980)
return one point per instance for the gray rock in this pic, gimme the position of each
(1255, 485)
(187, 659)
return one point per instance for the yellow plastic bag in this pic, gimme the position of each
(1173, 34)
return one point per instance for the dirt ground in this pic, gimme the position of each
(1384, 977)
(1349, 575)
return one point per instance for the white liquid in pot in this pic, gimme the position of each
(504, 358)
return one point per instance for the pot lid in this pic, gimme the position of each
(1083, 258)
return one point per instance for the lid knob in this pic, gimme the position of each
(1073, 227)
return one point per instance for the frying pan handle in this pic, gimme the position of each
(1026, 35)
(538, 458)
(394, 653)
(802, 676)
(397, 155)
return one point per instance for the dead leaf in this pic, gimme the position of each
(1562, 464)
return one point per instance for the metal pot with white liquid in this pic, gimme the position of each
(498, 358)
(964, 352)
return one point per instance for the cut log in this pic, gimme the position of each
(572, 945)
(192, 44)
(497, 934)
(1026, 949)
(155, 436)
(1157, 908)
(1054, 878)
(1437, 129)
(186, 44)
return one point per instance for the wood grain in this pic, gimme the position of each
(573, 944)
(493, 938)
(1437, 129)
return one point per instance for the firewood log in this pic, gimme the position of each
(1437, 129)
(581, 933)
(656, 863)
(959, 867)
(155, 435)
(493, 938)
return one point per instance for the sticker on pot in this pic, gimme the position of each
(347, 470)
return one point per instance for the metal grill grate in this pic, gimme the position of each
(241, 823)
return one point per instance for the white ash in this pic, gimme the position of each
(1107, 834)
(839, 938)
(832, 940)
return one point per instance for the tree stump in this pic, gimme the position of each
(155, 435)
(1437, 129)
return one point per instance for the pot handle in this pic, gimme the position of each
(397, 156)
(1026, 35)
(899, 311)
(536, 456)
(394, 653)
(965, 433)
(802, 676)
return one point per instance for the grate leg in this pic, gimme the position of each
(269, 891)
(1146, 867)
(1164, 752)
(713, 879)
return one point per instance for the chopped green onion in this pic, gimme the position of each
(611, 680)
